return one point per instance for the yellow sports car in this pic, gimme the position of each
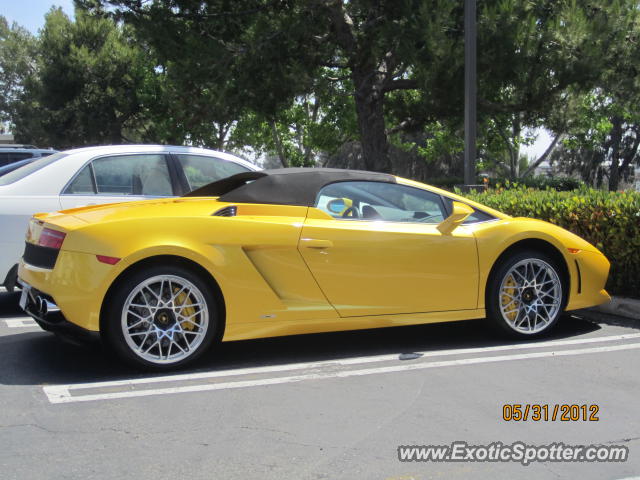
(292, 251)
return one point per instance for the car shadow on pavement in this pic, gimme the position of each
(35, 357)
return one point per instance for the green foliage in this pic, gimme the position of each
(84, 89)
(561, 184)
(608, 220)
(297, 79)
(18, 50)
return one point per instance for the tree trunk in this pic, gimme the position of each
(278, 143)
(614, 169)
(515, 149)
(371, 123)
(532, 167)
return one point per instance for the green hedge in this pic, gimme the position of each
(562, 184)
(557, 183)
(608, 220)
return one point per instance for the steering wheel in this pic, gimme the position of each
(351, 212)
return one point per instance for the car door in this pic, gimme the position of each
(374, 249)
(119, 178)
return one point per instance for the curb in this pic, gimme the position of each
(621, 306)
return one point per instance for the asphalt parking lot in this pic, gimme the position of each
(330, 406)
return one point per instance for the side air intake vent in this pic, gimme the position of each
(226, 212)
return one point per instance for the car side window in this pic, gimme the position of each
(388, 202)
(82, 184)
(202, 169)
(132, 175)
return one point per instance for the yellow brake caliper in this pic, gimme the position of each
(508, 298)
(184, 311)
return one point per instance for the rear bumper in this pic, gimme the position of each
(77, 284)
(42, 308)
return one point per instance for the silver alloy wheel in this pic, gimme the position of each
(165, 319)
(530, 296)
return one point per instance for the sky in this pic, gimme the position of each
(30, 13)
(542, 142)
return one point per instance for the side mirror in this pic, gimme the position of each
(459, 215)
(339, 205)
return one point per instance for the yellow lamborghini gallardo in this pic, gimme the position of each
(292, 251)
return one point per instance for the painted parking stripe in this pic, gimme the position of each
(20, 322)
(63, 393)
(349, 361)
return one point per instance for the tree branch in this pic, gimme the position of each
(400, 84)
(343, 25)
(278, 143)
(403, 125)
(531, 168)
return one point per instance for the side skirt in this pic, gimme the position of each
(277, 328)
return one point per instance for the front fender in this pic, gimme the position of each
(494, 238)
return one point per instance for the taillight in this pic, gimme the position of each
(51, 238)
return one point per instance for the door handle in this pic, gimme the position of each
(315, 243)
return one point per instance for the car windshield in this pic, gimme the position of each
(26, 170)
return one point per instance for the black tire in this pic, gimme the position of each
(112, 328)
(495, 315)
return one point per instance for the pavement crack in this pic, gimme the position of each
(64, 432)
(623, 440)
(265, 429)
(33, 425)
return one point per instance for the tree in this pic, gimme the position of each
(84, 89)
(603, 138)
(537, 54)
(18, 51)
(603, 126)
(258, 61)
(265, 54)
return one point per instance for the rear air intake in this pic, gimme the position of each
(39, 256)
(226, 212)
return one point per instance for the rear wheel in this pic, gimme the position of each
(526, 294)
(161, 318)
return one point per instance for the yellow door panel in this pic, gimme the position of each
(378, 268)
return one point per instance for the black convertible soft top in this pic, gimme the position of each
(285, 186)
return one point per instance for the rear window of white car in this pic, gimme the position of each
(28, 169)
(201, 170)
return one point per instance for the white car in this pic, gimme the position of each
(94, 175)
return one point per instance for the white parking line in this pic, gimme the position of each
(20, 322)
(63, 393)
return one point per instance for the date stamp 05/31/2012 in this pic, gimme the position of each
(544, 412)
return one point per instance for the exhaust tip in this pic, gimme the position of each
(41, 306)
(45, 306)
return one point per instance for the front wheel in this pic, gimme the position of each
(526, 294)
(161, 318)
